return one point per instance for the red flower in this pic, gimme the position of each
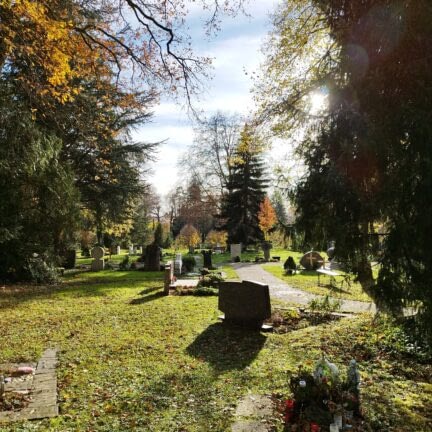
(289, 404)
(314, 427)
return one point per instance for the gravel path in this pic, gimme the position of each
(282, 291)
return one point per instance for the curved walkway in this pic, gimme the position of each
(282, 291)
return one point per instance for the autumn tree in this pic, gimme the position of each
(195, 208)
(82, 74)
(266, 216)
(215, 237)
(189, 236)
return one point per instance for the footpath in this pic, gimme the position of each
(282, 291)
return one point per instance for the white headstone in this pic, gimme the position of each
(178, 264)
(235, 250)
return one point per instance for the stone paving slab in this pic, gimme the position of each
(185, 283)
(43, 392)
(255, 406)
(250, 426)
(16, 386)
(282, 291)
(252, 414)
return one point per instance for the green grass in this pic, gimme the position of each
(308, 281)
(134, 360)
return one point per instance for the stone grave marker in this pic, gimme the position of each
(312, 260)
(168, 277)
(178, 264)
(198, 263)
(97, 254)
(235, 250)
(152, 257)
(207, 259)
(266, 246)
(244, 303)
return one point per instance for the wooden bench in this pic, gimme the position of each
(327, 272)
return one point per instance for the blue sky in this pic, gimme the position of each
(236, 49)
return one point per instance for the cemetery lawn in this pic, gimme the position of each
(132, 359)
(308, 281)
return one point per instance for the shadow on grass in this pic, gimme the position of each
(227, 348)
(148, 298)
(88, 285)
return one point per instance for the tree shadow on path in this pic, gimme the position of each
(227, 348)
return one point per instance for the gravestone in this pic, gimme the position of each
(331, 251)
(131, 250)
(98, 263)
(244, 303)
(312, 260)
(178, 264)
(198, 263)
(69, 259)
(207, 259)
(168, 277)
(152, 257)
(235, 250)
(115, 250)
(266, 246)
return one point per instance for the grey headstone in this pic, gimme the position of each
(244, 303)
(98, 263)
(235, 250)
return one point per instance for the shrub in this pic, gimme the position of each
(125, 264)
(39, 270)
(325, 304)
(206, 291)
(211, 280)
(290, 265)
(189, 262)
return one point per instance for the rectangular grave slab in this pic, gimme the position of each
(244, 303)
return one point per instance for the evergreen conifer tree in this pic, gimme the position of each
(246, 191)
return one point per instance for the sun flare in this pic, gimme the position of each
(317, 102)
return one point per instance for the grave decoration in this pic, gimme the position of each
(322, 400)
(331, 251)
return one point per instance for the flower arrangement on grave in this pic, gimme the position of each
(321, 400)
